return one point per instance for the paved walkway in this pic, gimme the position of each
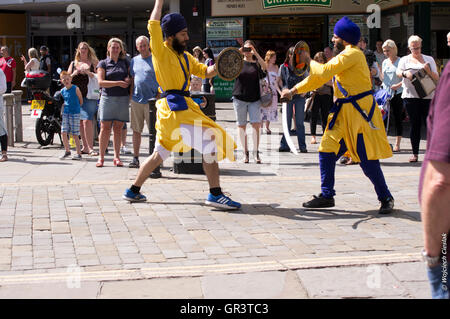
(65, 232)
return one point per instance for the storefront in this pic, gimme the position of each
(278, 24)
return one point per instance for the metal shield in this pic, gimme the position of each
(300, 66)
(229, 64)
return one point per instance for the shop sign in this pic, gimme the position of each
(229, 8)
(222, 33)
(268, 4)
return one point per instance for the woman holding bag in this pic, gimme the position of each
(82, 69)
(416, 107)
(246, 98)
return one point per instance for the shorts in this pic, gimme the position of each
(139, 114)
(71, 124)
(241, 109)
(203, 145)
(88, 109)
(114, 108)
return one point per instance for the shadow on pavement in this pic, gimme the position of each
(36, 162)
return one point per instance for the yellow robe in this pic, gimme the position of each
(170, 76)
(351, 70)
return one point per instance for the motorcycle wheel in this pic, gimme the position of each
(44, 135)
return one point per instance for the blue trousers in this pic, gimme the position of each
(371, 169)
(299, 103)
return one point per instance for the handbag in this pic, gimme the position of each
(93, 88)
(423, 83)
(266, 92)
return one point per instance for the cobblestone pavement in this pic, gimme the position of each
(62, 217)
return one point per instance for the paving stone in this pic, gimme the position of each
(154, 288)
(263, 285)
(362, 282)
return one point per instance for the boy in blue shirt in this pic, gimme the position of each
(71, 115)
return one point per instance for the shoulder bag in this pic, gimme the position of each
(265, 89)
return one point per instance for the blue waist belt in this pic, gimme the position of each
(176, 100)
(353, 100)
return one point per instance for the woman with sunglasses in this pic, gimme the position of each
(416, 107)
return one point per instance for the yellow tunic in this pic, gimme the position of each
(351, 70)
(170, 76)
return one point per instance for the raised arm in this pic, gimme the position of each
(157, 9)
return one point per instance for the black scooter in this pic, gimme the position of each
(46, 109)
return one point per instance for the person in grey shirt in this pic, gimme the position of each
(145, 87)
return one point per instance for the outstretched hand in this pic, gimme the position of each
(286, 96)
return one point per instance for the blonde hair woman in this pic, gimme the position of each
(270, 114)
(416, 107)
(113, 78)
(393, 84)
(82, 69)
(33, 64)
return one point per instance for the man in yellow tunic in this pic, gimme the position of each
(181, 125)
(355, 122)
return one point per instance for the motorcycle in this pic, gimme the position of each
(45, 108)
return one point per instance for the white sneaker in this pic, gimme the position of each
(124, 151)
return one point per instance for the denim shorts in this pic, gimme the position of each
(71, 124)
(88, 109)
(241, 109)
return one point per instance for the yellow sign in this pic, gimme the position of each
(37, 104)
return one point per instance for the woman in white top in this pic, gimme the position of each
(33, 64)
(416, 107)
(3, 130)
(393, 84)
(270, 114)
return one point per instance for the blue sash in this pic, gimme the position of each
(175, 98)
(353, 100)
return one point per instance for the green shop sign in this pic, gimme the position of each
(269, 4)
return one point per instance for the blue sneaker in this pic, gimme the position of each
(222, 202)
(133, 197)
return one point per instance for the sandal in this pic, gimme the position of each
(100, 163)
(246, 158)
(257, 159)
(4, 158)
(92, 153)
(414, 159)
(117, 162)
(313, 140)
(84, 152)
(396, 149)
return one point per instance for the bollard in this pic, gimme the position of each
(18, 115)
(9, 106)
(152, 136)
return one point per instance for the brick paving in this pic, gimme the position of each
(56, 214)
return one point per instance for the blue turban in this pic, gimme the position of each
(173, 23)
(347, 30)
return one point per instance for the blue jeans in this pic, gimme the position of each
(439, 290)
(299, 103)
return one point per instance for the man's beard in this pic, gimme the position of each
(338, 48)
(177, 46)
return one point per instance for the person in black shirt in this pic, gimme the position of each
(246, 98)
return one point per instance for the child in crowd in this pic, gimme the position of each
(196, 87)
(71, 115)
